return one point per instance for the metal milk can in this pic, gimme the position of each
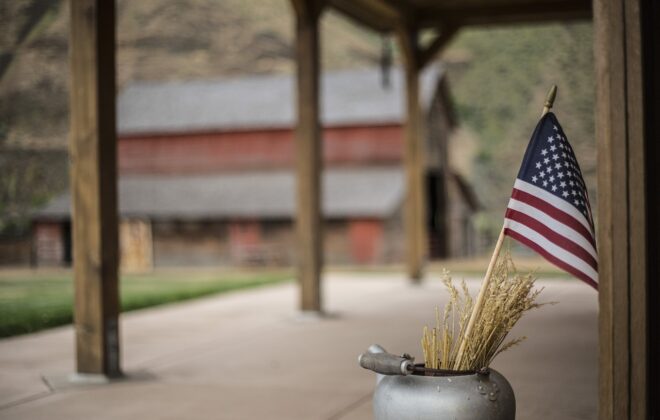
(405, 390)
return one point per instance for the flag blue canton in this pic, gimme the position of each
(550, 164)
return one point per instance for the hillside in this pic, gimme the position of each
(498, 76)
(157, 40)
(499, 80)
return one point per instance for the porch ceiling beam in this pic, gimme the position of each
(508, 14)
(385, 15)
(374, 14)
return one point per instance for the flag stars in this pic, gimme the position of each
(554, 168)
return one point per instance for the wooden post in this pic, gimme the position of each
(415, 203)
(93, 174)
(308, 155)
(622, 199)
(415, 223)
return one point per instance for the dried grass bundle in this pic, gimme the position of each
(507, 297)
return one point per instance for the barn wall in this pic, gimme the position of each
(438, 127)
(190, 243)
(209, 152)
(49, 243)
(392, 247)
(147, 244)
(462, 235)
(336, 250)
(135, 246)
(366, 238)
(15, 250)
(270, 243)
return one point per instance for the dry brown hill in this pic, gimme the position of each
(157, 40)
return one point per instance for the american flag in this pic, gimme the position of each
(549, 208)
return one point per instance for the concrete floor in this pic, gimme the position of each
(249, 355)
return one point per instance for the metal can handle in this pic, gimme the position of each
(385, 363)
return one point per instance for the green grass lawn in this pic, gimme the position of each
(35, 300)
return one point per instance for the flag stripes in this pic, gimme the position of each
(574, 219)
(552, 258)
(552, 211)
(553, 224)
(552, 236)
(559, 234)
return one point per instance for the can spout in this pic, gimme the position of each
(376, 348)
(380, 361)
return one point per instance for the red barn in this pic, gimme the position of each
(206, 173)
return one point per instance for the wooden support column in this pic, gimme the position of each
(622, 220)
(415, 58)
(93, 175)
(308, 155)
(415, 204)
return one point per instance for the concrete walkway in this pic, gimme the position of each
(249, 355)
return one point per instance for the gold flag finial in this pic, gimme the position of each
(549, 99)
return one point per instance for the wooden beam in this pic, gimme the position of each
(622, 226)
(637, 212)
(371, 13)
(439, 42)
(650, 15)
(415, 203)
(93, 174)
(514, 13)
(386, 15)
(308, 156)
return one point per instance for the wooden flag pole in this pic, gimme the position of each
(476, 310)
(549, 100)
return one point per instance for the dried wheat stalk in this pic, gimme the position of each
(509, 295)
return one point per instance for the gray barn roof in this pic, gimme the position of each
(348, 97)
(372, 192)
